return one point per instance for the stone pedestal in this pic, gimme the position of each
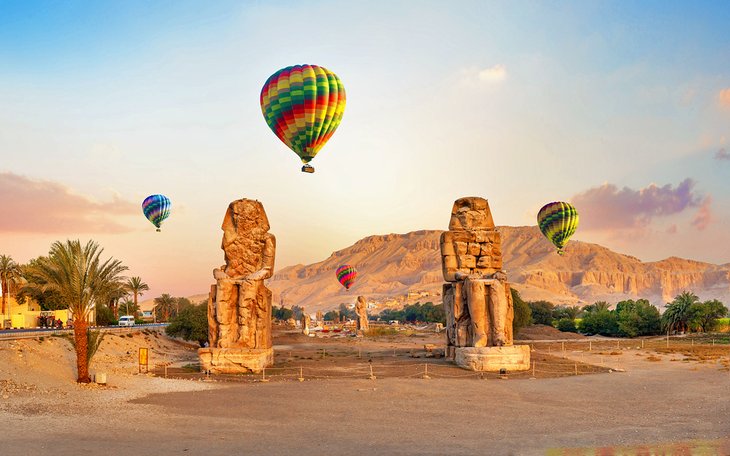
(493, 359)
(235, 360)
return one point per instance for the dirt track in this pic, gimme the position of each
(654, 403)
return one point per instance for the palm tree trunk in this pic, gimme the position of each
(82, 342)
(5, 296)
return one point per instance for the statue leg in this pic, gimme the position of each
(476, 300)
(247, 314)
(498, 313)
(212, 323)
(225, 312)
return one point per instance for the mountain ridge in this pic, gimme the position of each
(395, 269)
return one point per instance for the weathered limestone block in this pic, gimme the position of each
(361, 309)
(467, 261)
(239, 304)
(494, 359)
(235, 360)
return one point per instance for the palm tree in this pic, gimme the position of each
(166, 305)
(9, 272)
(128, 307)
(111, 294)
(81, 278)
(136, 287)
(678, 312)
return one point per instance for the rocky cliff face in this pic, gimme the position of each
(392, 266)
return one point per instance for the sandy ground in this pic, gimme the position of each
(670, 402)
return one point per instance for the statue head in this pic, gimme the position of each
(471, 213)
(244, 218)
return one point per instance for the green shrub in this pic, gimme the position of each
(567, 325)
(522, 312)
(542, 312)
(190, 324)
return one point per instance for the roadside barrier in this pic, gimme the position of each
(36, 333)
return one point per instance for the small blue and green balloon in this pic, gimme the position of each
(156, 208)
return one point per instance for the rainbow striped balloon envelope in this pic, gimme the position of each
(346, 275)
(303, 105)
(558, 221)
(156, 208)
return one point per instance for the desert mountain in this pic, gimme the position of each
(394, 269)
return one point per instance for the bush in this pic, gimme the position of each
(428, 312)
(637, 318)
(522, 312)
(567, 325)
(705, 315)
(104, 316)
(601, 321)
(190, 324)
(282, 313)
(542, 312)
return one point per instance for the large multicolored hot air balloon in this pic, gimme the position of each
(156, 208)
(303, 106)
(346, 275)
(558, 221)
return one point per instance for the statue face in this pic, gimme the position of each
(471, 213)
(250, 215)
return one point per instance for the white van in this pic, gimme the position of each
(126, 320)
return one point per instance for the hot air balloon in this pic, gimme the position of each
(303, 106)
(346, 275)
(558, 221)
(156, 208)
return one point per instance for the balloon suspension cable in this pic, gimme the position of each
(307, 168)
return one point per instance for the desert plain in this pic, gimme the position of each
(319, 399)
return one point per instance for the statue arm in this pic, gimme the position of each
(267, 269)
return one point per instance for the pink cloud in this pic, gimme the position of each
(609, 208)
(672, 229)
(704, 215)
(724, 98)
(39, 206)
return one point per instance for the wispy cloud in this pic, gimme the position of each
(722, 154)
(724, 98)
(39, 206)
(609, 208)
(704, 217)
(475, 76)
(495, 74)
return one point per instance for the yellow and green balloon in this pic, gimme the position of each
(303, 105)
(558, 221)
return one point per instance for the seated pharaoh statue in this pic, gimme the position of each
(477, 298)
(239, 304)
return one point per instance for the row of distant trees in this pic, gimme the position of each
(629, 318)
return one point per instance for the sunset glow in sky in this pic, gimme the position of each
(622, 108)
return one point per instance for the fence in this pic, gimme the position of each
(721, 341)
(540, 368)
(549, 359)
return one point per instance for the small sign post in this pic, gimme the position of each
(143, 359)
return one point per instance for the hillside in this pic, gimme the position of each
(398, 268)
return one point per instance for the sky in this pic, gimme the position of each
(622, 108)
